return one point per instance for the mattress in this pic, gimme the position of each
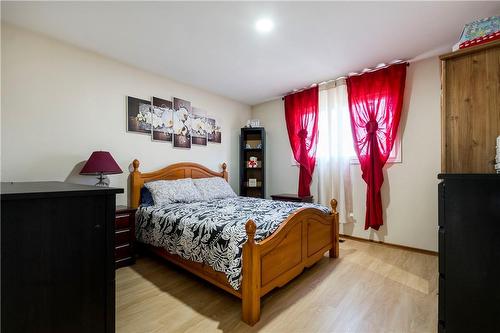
(213, 232)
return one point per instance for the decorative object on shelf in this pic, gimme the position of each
(252, 163)
(199, 127)
(162, 120)
(252, 160)
(101, 163)
(253, 144)
(138, 115)
(254, 123)
(480, 32)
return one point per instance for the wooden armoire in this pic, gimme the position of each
(469, 193)
(470, 110)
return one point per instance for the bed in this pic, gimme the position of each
(258, 259)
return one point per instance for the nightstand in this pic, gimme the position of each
(292, 197)
(124, 236)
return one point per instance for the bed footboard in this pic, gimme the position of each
(298, 243)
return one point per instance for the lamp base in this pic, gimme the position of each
(102, 181)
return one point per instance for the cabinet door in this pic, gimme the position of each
(472, 255)
(54, 265)
(471, 111)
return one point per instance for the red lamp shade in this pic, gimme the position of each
(100, 162)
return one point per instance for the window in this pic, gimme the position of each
(395, 154)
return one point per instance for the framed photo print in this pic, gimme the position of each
(162, 122)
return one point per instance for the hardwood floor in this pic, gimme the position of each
(370, 288)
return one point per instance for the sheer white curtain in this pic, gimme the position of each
(335, 149)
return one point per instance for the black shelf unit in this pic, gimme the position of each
(252, 136)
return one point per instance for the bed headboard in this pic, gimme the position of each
(171, 172)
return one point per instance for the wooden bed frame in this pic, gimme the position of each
(299, 242)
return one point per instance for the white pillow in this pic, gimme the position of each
(169, 191)
(214, 188)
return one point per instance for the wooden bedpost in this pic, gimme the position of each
(334, 251)
(224, 171)
(135, 185)
(250, 284)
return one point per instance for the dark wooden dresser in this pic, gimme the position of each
(469, 253)
(57, 257)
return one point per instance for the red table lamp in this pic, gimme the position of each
(101, 163)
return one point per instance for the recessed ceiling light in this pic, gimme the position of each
(264, 25)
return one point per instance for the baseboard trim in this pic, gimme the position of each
(397, 246)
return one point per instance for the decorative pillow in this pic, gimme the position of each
(146, 197)
(214, 188)
(168, 191)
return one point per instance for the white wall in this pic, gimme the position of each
(409, 193)
(60, 103)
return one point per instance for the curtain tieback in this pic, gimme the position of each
(371, 127)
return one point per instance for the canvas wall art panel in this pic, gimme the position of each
(182, 123)
(162, 122)
(199, 127)
(214, 131)
(138, 115)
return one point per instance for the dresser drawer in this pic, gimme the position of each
(123, 251)
(122, 221)
(122, 237)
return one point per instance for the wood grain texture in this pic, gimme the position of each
(370, 288)
(471, 109)
(299, 242)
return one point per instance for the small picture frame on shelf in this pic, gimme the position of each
(252, 182)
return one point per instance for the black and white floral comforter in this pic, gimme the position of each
(212, 232)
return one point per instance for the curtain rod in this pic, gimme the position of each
(366, 70)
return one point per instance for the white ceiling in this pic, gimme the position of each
(214, 46)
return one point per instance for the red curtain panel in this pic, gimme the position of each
(301, 115)
(375, 103)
